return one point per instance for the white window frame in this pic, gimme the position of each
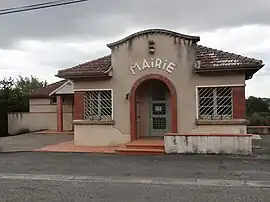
(213, 86)
(88, 90)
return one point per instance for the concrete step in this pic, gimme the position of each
(139, 151)
(145, 146)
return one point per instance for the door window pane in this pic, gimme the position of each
(159, 123)
(159, 109)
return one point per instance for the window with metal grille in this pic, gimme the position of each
(215, 103)
(98, 105)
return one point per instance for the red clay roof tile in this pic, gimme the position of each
(208, 57)
(99, 65)
(45, 91)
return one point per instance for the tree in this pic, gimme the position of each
(28, 85)
(24, 87)
(6, 93)
(6, 86)
(17, 93)
(256, 105)
(258, 110)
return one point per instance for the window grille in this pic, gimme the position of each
(98, 105)
(215, 103)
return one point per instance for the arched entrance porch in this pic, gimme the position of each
(153, 106)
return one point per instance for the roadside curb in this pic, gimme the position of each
(253, 157)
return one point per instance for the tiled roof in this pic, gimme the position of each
(208, 58)
(100, 65)
(213, 58)
(45, 91)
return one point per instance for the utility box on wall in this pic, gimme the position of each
(3, 118)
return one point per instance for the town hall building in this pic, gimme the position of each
(154, 82)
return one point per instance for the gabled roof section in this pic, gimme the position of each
(154, 31)
(94, 68)
(213, 58)
(208, 60)
(45, 91)
(66, 88)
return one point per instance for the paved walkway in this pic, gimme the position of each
(261, 146)
(49, 142)
(31, 141)
(70, 147)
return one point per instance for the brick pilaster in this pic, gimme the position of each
(59, 114)
(239, 102)
(78, 106)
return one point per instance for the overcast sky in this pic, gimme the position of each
(41, 42)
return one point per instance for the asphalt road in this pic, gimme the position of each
(87, 177)
(26, 191)
(213, 167)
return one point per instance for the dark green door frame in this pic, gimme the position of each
(159, 114)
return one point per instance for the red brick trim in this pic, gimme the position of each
(239, 102)
(211, 134)
(59, 114)
(78, 105)
(45, 112)
(173, 104)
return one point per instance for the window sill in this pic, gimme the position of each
(222, 122)
(89, 122)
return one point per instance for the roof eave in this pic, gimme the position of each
(38, 96)
(249, 70)
(77, 75)
(229, 68)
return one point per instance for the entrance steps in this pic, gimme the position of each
(142, 146)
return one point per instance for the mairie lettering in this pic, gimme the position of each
(153, 63)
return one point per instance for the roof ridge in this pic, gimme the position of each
(62, 80)
(151, 31)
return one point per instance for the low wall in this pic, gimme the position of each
(89, 134)
(208, 143)
(18, 122)
(261, 130)
(242, 129)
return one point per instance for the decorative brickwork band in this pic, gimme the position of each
(173, 103)
(78, 106)
(239, 102)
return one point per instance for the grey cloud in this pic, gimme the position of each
(264, 55)
(72, 59)
(106, 18)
